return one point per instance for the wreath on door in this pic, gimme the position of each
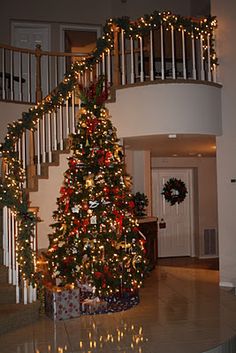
(174, 191)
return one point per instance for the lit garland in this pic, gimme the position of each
(11, 190)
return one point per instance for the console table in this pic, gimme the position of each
(148, 227)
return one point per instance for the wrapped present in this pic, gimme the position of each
(62, 303)
(86, 291)
(93, 306)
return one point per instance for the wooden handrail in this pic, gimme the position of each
(43, 52)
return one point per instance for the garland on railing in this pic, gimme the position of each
(142, 26)
(11, 189)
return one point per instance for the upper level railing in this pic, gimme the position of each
(157, 47)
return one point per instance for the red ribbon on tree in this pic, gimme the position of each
(119, 220)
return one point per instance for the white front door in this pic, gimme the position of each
(176, 238)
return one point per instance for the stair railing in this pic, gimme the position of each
(128, 53)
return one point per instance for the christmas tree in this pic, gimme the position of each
(95, 237)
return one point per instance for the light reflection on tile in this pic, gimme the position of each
(181, 310)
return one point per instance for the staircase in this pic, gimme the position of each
(13, 316)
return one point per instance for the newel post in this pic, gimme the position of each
(38, 54)
(116, 56)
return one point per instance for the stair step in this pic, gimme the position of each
(13, 316)
(7, 293)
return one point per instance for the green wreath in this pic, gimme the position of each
(174, 191)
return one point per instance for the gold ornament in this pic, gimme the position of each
(136, 259)
(89, 181)
(128, 181)
(118, 152)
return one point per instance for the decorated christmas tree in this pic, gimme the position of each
(95, 237)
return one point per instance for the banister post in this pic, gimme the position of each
(38, 54)
(116, 56)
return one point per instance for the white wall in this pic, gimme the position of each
(138, 166)
(46, 197)
(226, 144)
(90, 12)
(167, 108)
(10, 112)
(205, 197)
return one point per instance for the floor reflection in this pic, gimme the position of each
(181, 310)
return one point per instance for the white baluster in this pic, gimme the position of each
(162, 55)
(194, 58)
(73, 111)
(49, 134)
(184, 55)
(56, 70)
(54, 131)
(173, 52)
(29, 76)
(122, 57)
(209, 57)
(131, 60)
(38, 149)
(5, 237)
(141, 59)
(48, 74)
(23, 156)
(214, 66)
(103, 64)
(17, 269)
(109, 66)
(151, 56)
(67, 118)
(30, 293)
(11, 75)
(25, 292)
(44, 139)
(202, 58)
(9, 247)
(20, 76)
(13, 249)
(34, 245)
(61, 127)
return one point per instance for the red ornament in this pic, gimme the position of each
(116, 190)
(108, 158)
(106, 189)
(131, 204)
(85, 224)
(98, 274)
(72, 163)
(85, 206)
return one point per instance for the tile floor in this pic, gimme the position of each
(182, 310)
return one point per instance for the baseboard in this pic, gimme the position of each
(227, 284)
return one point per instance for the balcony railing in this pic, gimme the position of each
(157, 48)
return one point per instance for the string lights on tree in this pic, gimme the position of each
(96, 239)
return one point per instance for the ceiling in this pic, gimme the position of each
(183, 145)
